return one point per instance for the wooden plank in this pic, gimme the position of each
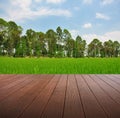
(91, 106)
(109, 82)
(113, 78)
(6, 76)
(54, 108)
(115, 95)
(117, 76)
(73, 106)
(59, 96)
(9, 81)
(18, 79)
(15, 104)
(36, 108)
(5, 92)
(111, 108)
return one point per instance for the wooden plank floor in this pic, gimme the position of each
(59, 96)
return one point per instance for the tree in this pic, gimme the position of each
(68, 43)
(51, 38)
(59, 42)
(3, 30)
(79, 47)
(14, 33)
(116, 46)
(108, 48)
(51, 43)
(31, 39)
(94, 48)
(43, 45)
(21, 48)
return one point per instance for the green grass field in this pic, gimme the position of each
(59, 66)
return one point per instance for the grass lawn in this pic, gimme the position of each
(59, 65)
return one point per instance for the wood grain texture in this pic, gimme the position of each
(59, 96)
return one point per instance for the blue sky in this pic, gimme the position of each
(87, 18)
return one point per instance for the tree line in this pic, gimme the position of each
(57, 43)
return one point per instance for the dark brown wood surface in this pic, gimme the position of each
(59, 96)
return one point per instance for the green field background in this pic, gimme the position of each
(59, 65)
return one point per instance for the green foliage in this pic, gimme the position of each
(57, 43)
(59, 66)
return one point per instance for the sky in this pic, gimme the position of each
(88, 18)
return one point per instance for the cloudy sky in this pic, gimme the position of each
(88, 18)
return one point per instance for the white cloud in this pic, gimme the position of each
(115, 35)
(74, 33)
(105, 2)
(90, 37)
(87, 1)
(102, 16)
(38, 0)
(55, 1)
(21, 10)
(87, 25)
(29, 14)
(23, 4)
